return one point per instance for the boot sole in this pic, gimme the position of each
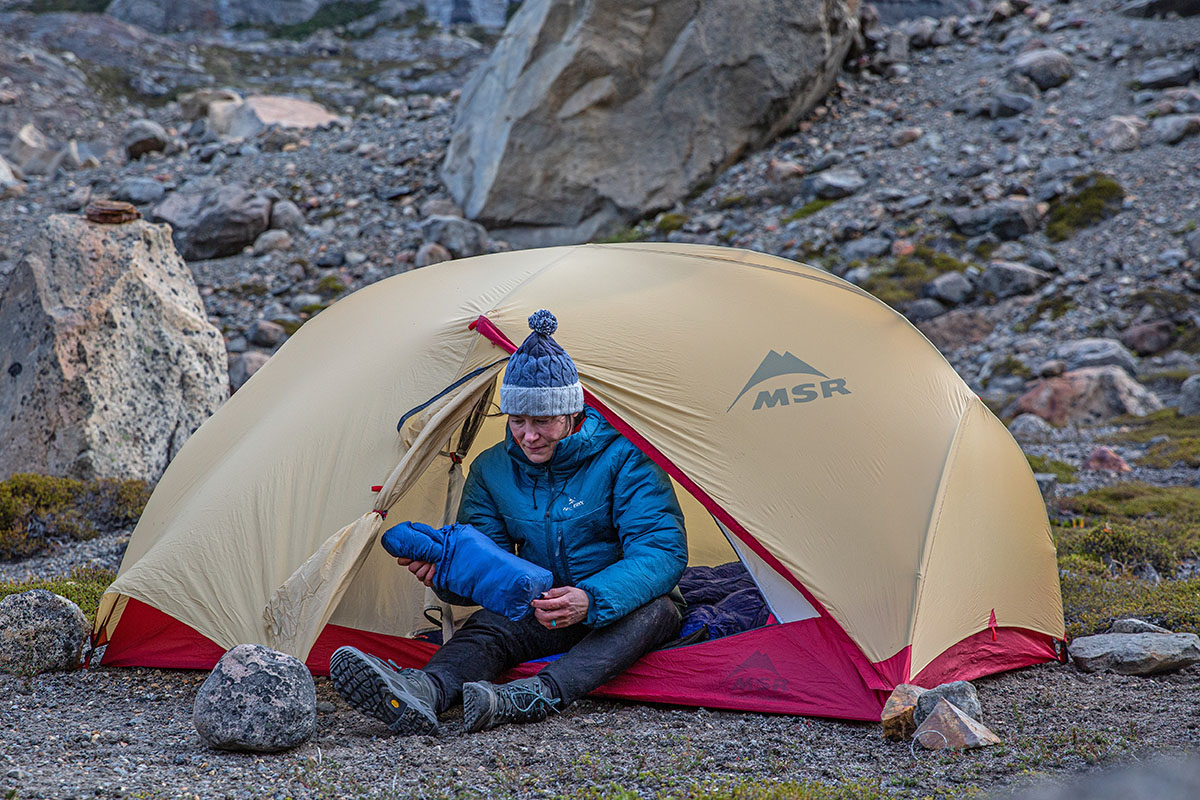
(362, 685)
(478, 707)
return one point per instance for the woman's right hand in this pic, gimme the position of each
(422, 569)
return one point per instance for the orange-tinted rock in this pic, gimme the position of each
(897, 714)
(1086, 396)
(1103, 459)
(948, 727)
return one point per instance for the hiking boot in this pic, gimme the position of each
(404, 699)
(486, 705)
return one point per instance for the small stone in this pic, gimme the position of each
(1105, 459)
(954, 288)
(1031, 428)
(331, 259)
(461, 237)
(1052, 368)
(865, 248)
(1119, 133)
(906, 136)
(271, 241)
(925, 308)
(1174, 128)
(265, 333)
(144, 136)
(431, 253)
(781, 170)
(242, 367)
(1095, 352)
(835, 184)
(287, 216)
(1149, 338)
(961, 693)
(947, 727)
(1163, 73)
(897, 714)
(1046, 67)
(1010, 278)
(139, 191)
(111, 212)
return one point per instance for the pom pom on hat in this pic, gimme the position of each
(541, 379)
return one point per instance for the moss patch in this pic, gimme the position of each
(36, 510)
(632, 233)
(1182, 445)
(808, 209)
(331, 285)
(899, 280)
(1094, 198)
(1059, 469)
(668, 222)
(84, 587)
(1092, 602)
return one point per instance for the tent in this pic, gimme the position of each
(889, 519)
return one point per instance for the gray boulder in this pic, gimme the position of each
(866, 247)
(925, 308)
(1163, 73)
(1135, 653)
(1119, 133)
(1086, 396)
(214, 223)
(1135, 625)
(960, 693)
(144, 136)
(1189, 397)
(835, 184)
(588, 114)
(1046, 67)
(1009, 219)
(1031, 428)
(1174, 128)
(1011, 278)
(287, 216)
(256, 699)
(461, 237)
(1095, 352)
(40, 632)
(953, 288)
(110, 361)
(139, 191)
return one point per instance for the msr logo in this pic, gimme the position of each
(776, 366)
(756, 675)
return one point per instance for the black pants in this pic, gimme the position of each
(488, 644)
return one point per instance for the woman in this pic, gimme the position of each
(567, 492)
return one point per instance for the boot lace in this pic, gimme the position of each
(524, 703)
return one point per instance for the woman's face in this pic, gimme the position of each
(537, 436)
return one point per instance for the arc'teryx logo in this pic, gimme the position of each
(776, 366)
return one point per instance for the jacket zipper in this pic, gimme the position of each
(559, 549)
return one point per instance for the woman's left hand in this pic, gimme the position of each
(561, 606)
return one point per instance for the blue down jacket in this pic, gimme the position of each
(471, 567)
(599, 515)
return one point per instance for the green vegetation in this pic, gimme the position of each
(36, 509)
(338, 13)
(331, 285)
(84, 587)
(1059, 469)
(1163, 302)
(808, 209)
(1129, 525)
(749, 789)
(1182, 445)
(733, 201)
(1048, 308)
(900, 279)
(1096, 197)
(669, 221)
(633, 233)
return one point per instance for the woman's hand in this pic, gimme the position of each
(561, 606)
(422, 569)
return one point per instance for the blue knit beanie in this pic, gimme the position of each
(541, 380)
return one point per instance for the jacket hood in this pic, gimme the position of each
(593, 436)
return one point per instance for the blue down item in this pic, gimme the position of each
(723, 600)
(471, 566)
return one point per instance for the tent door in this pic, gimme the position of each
(787, 604)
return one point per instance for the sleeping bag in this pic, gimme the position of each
(471, 567)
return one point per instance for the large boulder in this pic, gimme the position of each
(256, 699)
(109, 360)
(242, 119)
(1095, 352)
(1189, 397)
(40, 632)
(1086, 396)
(216, 222)
(1135, 653)
(590, 113)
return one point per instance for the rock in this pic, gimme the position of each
(287, 216)
(144, 136)
(1031, 428)
(166, 16)
(1135, 653)
(1105, 459)
(1047, 482)
(1161, 8)
(1119, 133)
(265, 333)
(781, 171)
(905, 136)
(271, 241)
(256, 699)
(1189, 397)
(10, 185)
(112, 362)
(431, 253)
(194, 105)
(31, 152)
(589, 114)
(897, 714)
(1162, 73)
(948, 727)
(1051, 368)
(1095, 352)
(1134, 625)
(214, 223)
(1009, 278)
(1149, 338)
(835, 184)
(244, 366)
(1009, 219)
(1009, 104)
(40, 632)
(865, 248)
(461, 237)
(924, 309)
(1086, 396)
(139, 191)
(957, 328)
(961, 693)
(242, 120)
(1174, 128)
(1046, 67)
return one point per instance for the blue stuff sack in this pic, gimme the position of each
(471, 566)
